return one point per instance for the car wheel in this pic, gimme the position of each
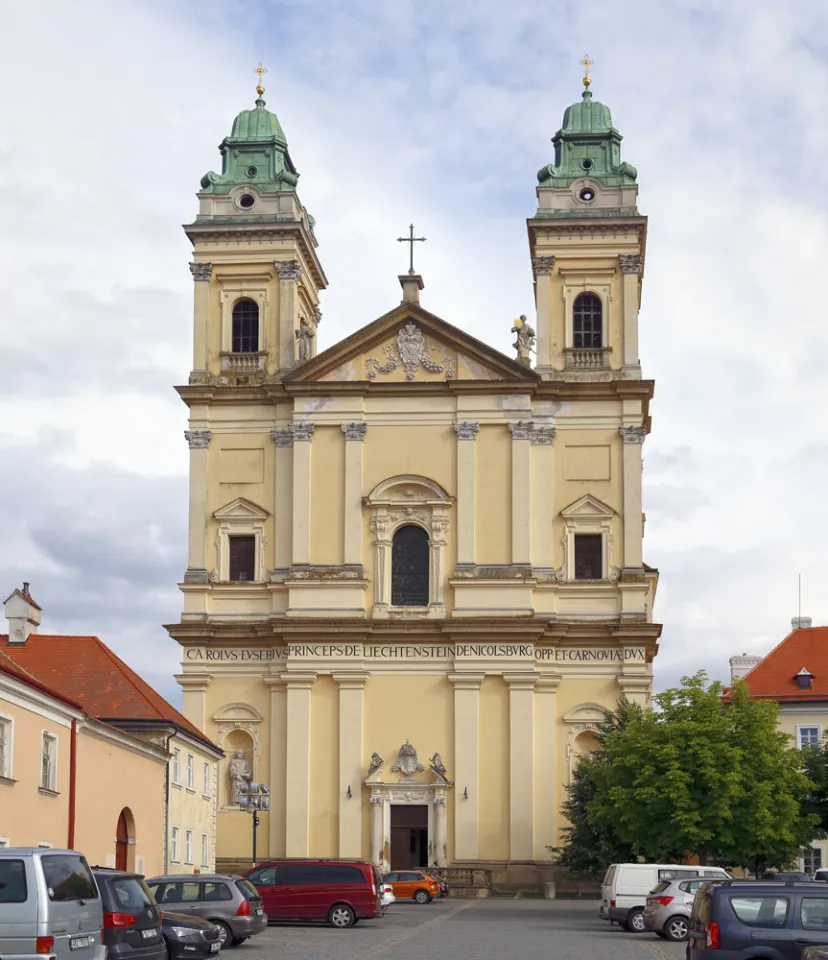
(635, 922)
(422, 896)
(676, 928)
(225, 934)
(341, 915)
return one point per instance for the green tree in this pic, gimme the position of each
(815, 802)
(588, 847)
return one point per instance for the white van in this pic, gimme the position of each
(625, 887)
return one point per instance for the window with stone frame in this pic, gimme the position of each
(410, 567)
(48, 762)
(242, 558)
(808, 736)
(245, 337)
(589, 559)
(6, 744)
(587, 322)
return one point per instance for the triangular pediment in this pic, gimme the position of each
(587, 506)
(240, 509)
(410, 344)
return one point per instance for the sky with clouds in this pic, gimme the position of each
(441, 114)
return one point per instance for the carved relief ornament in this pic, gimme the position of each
(633, 434)
(542, 266)
(354, 431)
(201, 271)
(288, 269)
(466, 429)
(410, 350)
(521, 430)
(630, 263)
(198, 439)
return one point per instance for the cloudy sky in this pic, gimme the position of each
(440, 113)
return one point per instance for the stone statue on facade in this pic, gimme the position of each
(438, 768)
(376, 763)
(305, 336)
(240, 773)
(524, 341)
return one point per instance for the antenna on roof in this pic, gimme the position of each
(799, 611)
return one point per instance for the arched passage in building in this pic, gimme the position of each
(125, 841)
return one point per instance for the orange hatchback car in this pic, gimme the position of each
(413, 885)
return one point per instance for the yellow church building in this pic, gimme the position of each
(415, 574)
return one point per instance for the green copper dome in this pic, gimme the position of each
(587, 145)
(256, 152)
(257, 124)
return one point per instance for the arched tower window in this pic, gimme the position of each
(587, 322)
(246, 327)
(409, 567)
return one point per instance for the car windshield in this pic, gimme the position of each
(68, 877)
(660, 886)
(131, 893)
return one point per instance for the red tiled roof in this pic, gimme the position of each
(85, 669)
(11, 669)
(773, 677)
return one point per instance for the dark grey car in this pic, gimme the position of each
(229, 901)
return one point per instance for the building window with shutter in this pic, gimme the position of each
(242, 558)
(48, 763)
(589, 560)
(409, 567)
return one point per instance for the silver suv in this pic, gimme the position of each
(669, 905)
(229, 901)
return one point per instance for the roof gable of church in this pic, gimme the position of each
(409, 343)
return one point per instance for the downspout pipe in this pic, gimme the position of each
(73, 775)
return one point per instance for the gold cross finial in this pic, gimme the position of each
(261, 72)
(586, 63)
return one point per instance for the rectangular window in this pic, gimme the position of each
(176, 766)
(208, 781)
(190, 772)
(758, 911)
(175, 855)
(205, 859)
(588, 556)
(814, 913)
(48, 762)
(188, 846)
(6, 736)
(68, 878)
(13, 881)
(811, 860)
(242, 558)
(808, 737)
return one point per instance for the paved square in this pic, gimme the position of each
(461, 929)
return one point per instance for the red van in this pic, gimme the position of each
(341, 892)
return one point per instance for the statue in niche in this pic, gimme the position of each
(524, 341)
(240, 773)
(305, 336)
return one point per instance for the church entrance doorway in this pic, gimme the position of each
(409, 836)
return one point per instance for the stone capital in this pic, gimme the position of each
(302, 431)
(521, 429)
(633, 434)
(354, 431)
(283, 437)
(288, 269)
(466, 429)
(198, 439)
(201, 271)
(521, 681)
(630, 263)
(542, 266)
(351, 680)
(466, 681)
(544, 435)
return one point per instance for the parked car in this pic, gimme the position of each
(187, 935)
(442, 885)
(387, 896)
(131, 923)
(625, 887)
(341, 892)
(413, 885)
(784, 877)
(815, 953)
(821, 875)
(49, 904)
(668, 907)
(228, 900)
(757, 918)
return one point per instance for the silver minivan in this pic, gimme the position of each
(49, 906)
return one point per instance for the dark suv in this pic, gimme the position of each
(744, 919)
(132, 925)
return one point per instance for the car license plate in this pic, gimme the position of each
(149, 934)
(259, 911)
(79, 943)
(214, 947)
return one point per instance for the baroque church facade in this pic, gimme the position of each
(415, 575)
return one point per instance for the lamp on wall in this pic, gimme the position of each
(348, 793)
(465, 793)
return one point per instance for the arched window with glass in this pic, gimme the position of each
(409, 567)
(246, 326)
(587, 322)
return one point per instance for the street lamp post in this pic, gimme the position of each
(254, 797)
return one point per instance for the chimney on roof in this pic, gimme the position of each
(798, 622)
(23, 615)
(739, 666)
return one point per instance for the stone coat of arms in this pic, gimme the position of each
(408, 762)
(409, 350)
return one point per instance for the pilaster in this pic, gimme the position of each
(283, 498)
(547, 804)
(194, 697)
(633, 438)
(288, 271)
(351, 696)
(543, 497)
(521, 764)
(466, 763)
(302, 433)
(297, 772)
(199, 441)
(521, 490)
(201, 296)
(466, 447)
(352, 534)
(277, 734)
(542, 268)
(631, 268)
